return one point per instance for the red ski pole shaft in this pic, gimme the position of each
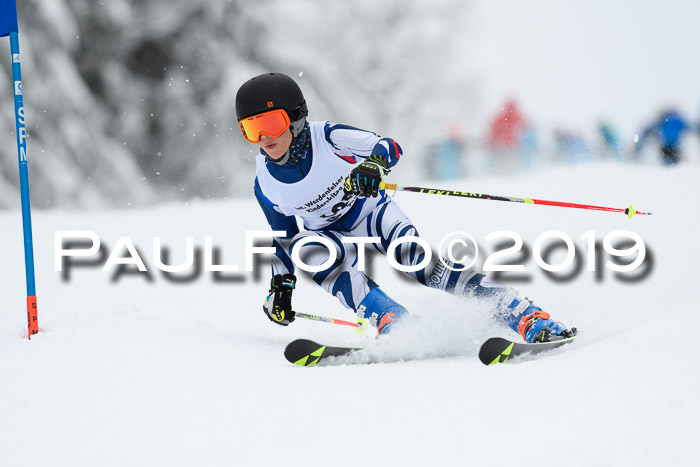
(323, 319)
(629, 211)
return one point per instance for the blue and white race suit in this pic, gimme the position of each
(310, 186)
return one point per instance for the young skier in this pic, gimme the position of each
(328, 175)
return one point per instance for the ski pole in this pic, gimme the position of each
(360, 325)
(630, 211)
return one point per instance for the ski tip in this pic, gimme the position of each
(493, 348)
(303, 352)
(499, 350)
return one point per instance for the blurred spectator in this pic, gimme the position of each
(506, 136)
(610, 142)
(668, 131)
(446, 161)
(529, 147)
(571, 148)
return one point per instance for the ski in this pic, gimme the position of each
(499, 350)
(305, 352)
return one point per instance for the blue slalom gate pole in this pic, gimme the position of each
(8, 26)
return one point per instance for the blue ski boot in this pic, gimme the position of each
(519, 314)
(536, 325)
(381, 311)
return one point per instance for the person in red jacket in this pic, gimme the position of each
(506, 135)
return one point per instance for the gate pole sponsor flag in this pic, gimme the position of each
(8, 26)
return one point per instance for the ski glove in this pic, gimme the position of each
(364, 180)
(278, 304)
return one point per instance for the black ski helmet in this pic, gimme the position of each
(271, 91)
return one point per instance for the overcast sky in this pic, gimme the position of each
(574, 61)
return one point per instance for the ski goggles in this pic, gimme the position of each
(272, 123)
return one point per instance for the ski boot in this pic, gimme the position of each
(536, 326)
(519, 314)
(381, 311)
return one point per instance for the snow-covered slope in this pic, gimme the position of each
(138, 371)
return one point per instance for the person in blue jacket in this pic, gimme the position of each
(668, 131)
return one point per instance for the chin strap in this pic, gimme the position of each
(297, 127)
(300, 142)
(282, 160)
